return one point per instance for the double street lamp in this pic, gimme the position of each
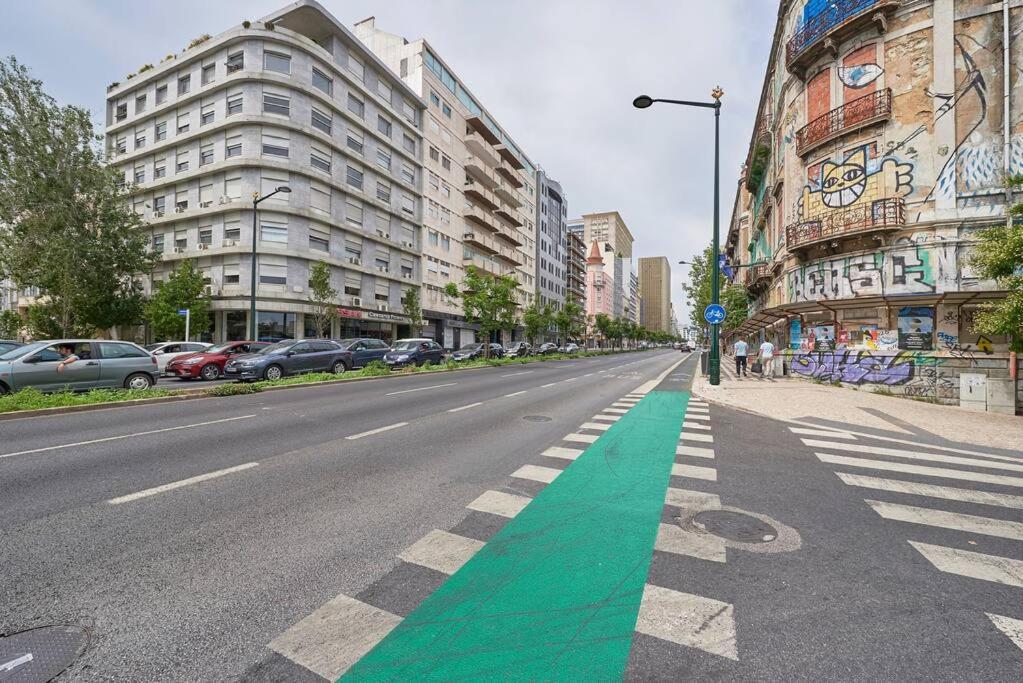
(256, 199)
(644, 101)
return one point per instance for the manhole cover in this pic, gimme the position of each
(40, 653)
(735, 526)
(536, 418)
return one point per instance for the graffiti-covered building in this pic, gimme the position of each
(879, 150)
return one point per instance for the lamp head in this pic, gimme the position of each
(717, 93)
(283, 188)
(642, 102)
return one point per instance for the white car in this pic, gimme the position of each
(165, 352)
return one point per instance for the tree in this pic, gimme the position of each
(602, 323)
(999, 257)
(487, 301)
(569, 320)
(733, 296)
(184, 289)
(10, 324)
(323, 297)
(62, 209)
(413, 309)
(536, 319)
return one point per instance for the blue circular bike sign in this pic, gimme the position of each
(714, 314)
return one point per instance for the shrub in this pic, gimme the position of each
(375, 368)
(884, 391)
(33, 399)
(235, 389)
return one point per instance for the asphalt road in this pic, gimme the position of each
(796, 561)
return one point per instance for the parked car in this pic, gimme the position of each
(365, 350)
(517, 349)
(165, 352)
(414, 352)
(290, 357)
(545, 349)
(209, 363)
(475, 351)
(6, 345)
(97, 364)
(572, 348)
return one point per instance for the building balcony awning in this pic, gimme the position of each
(511, 176)
(480, 195)
(477, 123)
(478, 146)
(852, 116)
(477, 169)
(508, 196)
(887, 214)
(509, 216)
(509, 156)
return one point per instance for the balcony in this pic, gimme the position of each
(756, 277)
(882, 215)
(859, 113)
(484, 242)
(505, 214)
(511, 176)
(479, 171)
(508, 196)
(477, 124)
(479, 146)
(487, 265)
(481, 196)
(510, 157)
(824, 32)
(475, 214)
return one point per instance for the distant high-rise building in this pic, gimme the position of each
(575, 269)
(608, 229)
(551, 241)
(655, 288)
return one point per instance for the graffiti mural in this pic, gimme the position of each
(843, 184)
(860, 75)
(855, 367)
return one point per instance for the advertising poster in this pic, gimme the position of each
(795, 333)
(870, 335)
(843, 340)
(824, 337)
(916, 328)
(887, 340)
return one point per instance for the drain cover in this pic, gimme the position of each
(536, 418)
(736, 526)
(40, 653)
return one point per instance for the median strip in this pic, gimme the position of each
(376, 431)
(178, 484)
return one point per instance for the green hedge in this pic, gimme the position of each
(33, 399)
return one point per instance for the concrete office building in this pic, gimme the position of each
(481, 193)
(655, 288)
(575, 269)
(551, 241)
(608, 229)
(294, 100)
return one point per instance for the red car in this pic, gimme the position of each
(209, 364)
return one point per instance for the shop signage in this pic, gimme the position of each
(378, 316)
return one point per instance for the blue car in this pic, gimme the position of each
(414, 352)
(364, 350)
(290, 357)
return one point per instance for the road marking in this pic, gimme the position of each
(619, 404)
(678, 541)
(694, 416)
(537, 473)
(946, 473)
(694, 425)
(376, 431)
(544, 386)
(563, 453)
(595, 425)
(687, 436)
(499, 503)
(570, 379)
(694, 472)
(471, 405)
(690, 620)
(698, 411)
(178, 484)
(914, 455)
(409, 391)
(698, 500)
(1009, 626)
(588, 374)
(699, 404)
(581, 438)
(442, 551)
(617, 411)
(334, 637)
(933, 491)
(517, 393)
(822, 432)
(948, 520)
(608, 418)
(124, 436)
(974, 565)
(524, 372)
(695, 451)
(630, 399)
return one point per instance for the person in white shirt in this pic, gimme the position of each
(741, 349)
(767, 359)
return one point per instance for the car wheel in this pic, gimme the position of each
(139, 381)
(210, 372)
(339, 367)
(273, 372)
(4, 389)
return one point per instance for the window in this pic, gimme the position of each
(408, 111)
(206, 235)
(383, 224)
(275, 145)
(121, 113)
(184, 84)
(140, 174)
(233, 187)
(209, 72)
(140, 139)
(408, 204)
(434, 153)
(275, 61)
(383, 191)
(434, 182)
(381, 292)
(322, 121)
(206, 194)
(233, 148)
(433, 210)
(403, 68)
(231, 274)
(355, 105)
(234, 103)
(409, 143)
(433, 125)
(445, 189)
(272, 274)
(384, 90)
(384, 158)
(434, 98)
(319, 158)
(116, 350)
(433, 237)
(232, 230)
(445, 242)
(160, 168)
(183, 123)
(206, 154)
(406, 267)
(161, 94)
(446, 109)
(356, 66)
(384, 126)
(270, 181)
(182, 160)
(408, 173)
(382, 261)
(121, 144)
(355, 141)
(353, 284)
(158, 243)
(206, 115)
(322, 82)
(353, 250)
(159, 204)
(235, 62)
(181, 198)
(276, 104)
(319, 197)
(140, 104)
(271, 231)
(161, 131)
(319, 240)
(353, 214)
(180, 240)
(445, 162)
(353, 177)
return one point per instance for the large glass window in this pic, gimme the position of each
(321, 121)
(276, 104)
(275, 61)
(236, 327)
(322, 81)
(273, 326)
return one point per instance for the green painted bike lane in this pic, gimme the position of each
(554, 594)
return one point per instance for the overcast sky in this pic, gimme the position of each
(559, 76)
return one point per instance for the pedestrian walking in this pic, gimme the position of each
(767, 359)
(741, 351)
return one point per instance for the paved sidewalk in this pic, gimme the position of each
(793, 399)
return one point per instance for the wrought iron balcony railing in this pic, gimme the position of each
(838, 16)
(863, 111)
(882, 214)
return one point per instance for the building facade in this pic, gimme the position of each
(655, 288)
(481, 194)
(878, 152)
(575, 269)
(294, 101)
(599, 290)
(633, 300)
(551, 241)
(608, 229)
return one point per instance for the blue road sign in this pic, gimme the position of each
(182, 311)
(714, 314)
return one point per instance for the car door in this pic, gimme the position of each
(375, 350)
(434, 352)
(321, 355)
(39, 370)
(360, 354)
(117, 360)
(298, 358)
(165, 353)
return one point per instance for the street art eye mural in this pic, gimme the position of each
(844, 184)
(860, 75)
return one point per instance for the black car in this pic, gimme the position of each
(290, 357)
(365, 350)
(547, 348)
(517, 349)
(414, 352)
(475, 351)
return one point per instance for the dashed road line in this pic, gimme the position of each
(563, 453)
(442, 551)
(499, 503)
(515, 374)
(537, 473)
(517, 393)
(179, 484)
(461, 408)
(581, 438)
(378, 430)
(409, 391)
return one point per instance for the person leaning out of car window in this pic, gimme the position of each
(68, 356)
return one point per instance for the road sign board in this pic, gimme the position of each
(714, 314)
(182, 311)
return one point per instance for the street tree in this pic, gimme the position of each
(602, 323)
(323, 297)
(733, 296)
(569, 320)
(413, 310)
(184, 289)
(68, 226)
(487, 301)
(537, 319)
(10, 324)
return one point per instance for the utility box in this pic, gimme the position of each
(973, 391)
(704, 362)
(1001, 395)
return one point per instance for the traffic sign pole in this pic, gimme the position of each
(714, 364)
(187, 312)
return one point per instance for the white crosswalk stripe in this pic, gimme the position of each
(694, 425)
(695, 472)
(822, 432)
(915, 455)
(691, 620)
(674, 539)
(695, 451)
(974, 565)
(933, 491)
(1010, 627)
(948, 520)
(696, 416)
(693, 436)
(943, 472)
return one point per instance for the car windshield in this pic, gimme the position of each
(279, 347)
(406, 345)
(469, 347)
(21, 351)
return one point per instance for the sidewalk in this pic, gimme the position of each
(786, 398)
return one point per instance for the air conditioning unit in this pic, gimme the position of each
(382, 307)
(408, 276)
(179, 250)
(383, 269)
(355, 261)
(356, 301)
(298, 289)
(230, 243)
(209, 291)
(381, 233)
(179, 209)
(221, 200)
(228, 200)
(158, 214)
(203, 246)
(410, 245)
(206, 205)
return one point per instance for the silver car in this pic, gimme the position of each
(78, 365)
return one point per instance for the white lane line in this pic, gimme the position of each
(974, 565)
(471, 405)
(694, 425)
(608, 418)
(441, 550)
(499, 503)
(124, 436)
(601, 370)
(514, 374)
(694, 451)
(687, 436)
(595, 425)
(334, 637)
(178, 484)
(698, 409)
(914, 455)
(699, 404)
(570, 379)
(616, 411)
(588, 374)
(697, 500)
(537, 473)
(563, 453)
(690, 620)
(376, 431)
(517, 393)
(694, 472)
(1009, 626)
(933, 491)
(672, 538)
(694, 416)
(964, 475)
(948, 520)
(619, 404)
(409, 391)
(581, 438)
(822, 432)
(544, 386)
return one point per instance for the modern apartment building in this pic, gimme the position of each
(575, 268)
(481, 195)
(551, 241)
(879, 149)
(633, 301)
(608, 229)
(294, 101)
(655, 289)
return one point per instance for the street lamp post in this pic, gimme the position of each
(256, 199)
(644, 101)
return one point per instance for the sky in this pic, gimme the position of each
(558, 75)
